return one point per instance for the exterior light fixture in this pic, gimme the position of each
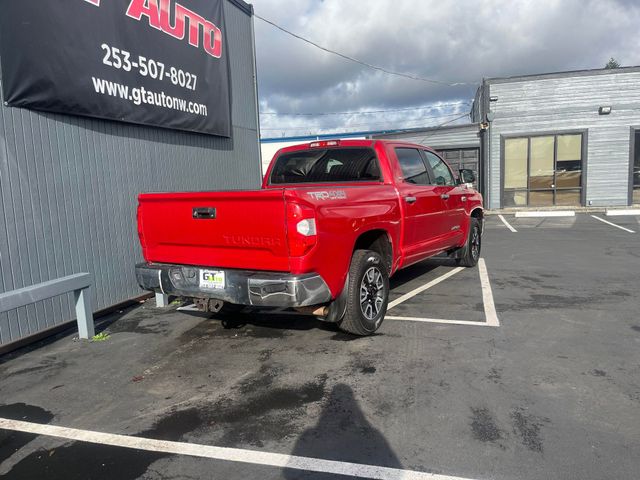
(493, 98)
(604, 110)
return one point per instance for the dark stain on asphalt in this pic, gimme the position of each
(174, 426)
(635, 328)
(495, 375)
(527, 427)
(262, 415)
(598, 373)
(261, 380)
(49, 366)
(483, 426)
(132, 324)
(84, 461)
(10, 441)
(344, 337)
(368, 370)
(542, 301)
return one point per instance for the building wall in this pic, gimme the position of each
(458, 136)
(68, 188)
(561, 103)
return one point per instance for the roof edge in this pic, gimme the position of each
(563, 74)
(244, 6)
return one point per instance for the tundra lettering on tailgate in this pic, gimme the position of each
(252, 241)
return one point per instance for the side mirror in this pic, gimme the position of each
(467, 176)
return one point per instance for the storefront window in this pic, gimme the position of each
(543, 170)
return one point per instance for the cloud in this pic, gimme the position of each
(452, 41)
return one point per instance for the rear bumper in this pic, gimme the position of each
(242, 287)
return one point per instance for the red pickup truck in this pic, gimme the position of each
(332, 222)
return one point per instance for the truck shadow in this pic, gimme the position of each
(343, 434)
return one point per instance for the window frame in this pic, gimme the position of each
(635, 130)
(427, 169)
(546, 133)
(432, 173)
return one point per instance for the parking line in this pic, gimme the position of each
(490, 313)
(507, 224)
(424, 287)
(222, 453)
(546, 213)
(438, 320)
(612, 224)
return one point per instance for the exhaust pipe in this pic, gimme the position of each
(315, 311)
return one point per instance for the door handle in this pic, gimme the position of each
(410, 199)
(444, 196)
(204, 213)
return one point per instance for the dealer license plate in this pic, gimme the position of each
(212, 279)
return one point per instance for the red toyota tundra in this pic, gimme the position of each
(332, 222)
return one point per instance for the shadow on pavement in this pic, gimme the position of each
(342, 434)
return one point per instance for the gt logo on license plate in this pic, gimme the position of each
(212, 279)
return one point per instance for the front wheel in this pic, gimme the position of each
(470, 253)
(368, 294)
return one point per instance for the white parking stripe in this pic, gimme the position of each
(507, 224)
(545, 213)
(439, 320)
(221, 453)
(424, 287)
(613, 224)
(487, 296)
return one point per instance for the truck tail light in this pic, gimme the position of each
(140, 232)
(301, 229)
(324, 144)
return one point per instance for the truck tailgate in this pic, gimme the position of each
(242, 230)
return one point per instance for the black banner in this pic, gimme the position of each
(154, 62)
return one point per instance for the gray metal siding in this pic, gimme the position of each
(455, 137)
(571, 103)
(68, 188)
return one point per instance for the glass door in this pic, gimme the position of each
(543, 171)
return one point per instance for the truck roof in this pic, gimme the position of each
(348, 143)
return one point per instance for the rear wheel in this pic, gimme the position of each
(368, 294)
(470, 253)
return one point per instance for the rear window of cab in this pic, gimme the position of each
(330, 165)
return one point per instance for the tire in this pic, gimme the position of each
(368, 276)
(470, 253)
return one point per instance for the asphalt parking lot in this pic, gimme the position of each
(525, 367)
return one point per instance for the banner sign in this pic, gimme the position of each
(154, 62)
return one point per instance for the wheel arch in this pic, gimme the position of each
(478, 213)
(379, 241)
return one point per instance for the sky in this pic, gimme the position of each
(454, 42)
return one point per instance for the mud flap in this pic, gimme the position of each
(338, 307)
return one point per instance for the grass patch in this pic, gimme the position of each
(100, 337)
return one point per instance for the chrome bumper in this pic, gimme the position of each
(242, 287)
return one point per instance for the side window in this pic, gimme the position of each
(413, 168)
(440, 169)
